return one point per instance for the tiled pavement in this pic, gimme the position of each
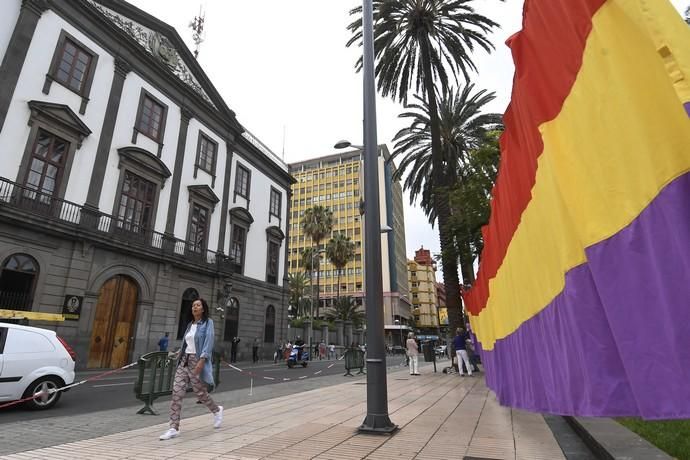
(441, 417)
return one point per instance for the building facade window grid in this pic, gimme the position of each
(151, 118)
(48, 158)
(242, 181)
(207, 152)
(74, 66)
(137, 199)
(198, 228)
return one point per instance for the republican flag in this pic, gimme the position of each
(582, 301)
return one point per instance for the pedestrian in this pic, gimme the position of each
(278, 354)
(460, 344)
(331, 351)
(163, 343)
(233, 349)
(194, 366)
(412, 353)
(255, 350)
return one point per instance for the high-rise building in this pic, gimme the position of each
(336, 182)
(422, 278)
(442, 308)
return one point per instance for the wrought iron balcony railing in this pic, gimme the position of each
(54, 210)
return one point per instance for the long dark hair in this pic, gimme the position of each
(204, 304)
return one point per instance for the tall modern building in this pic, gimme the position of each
(336, 181)
(422, 277)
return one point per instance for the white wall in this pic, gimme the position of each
(8, 19)
(202, 178)
(259, 202)
(15, 132)
(122, 137)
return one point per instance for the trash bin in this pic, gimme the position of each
(428, 350)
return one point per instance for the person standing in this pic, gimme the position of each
(233, 349)
(255, 351)
(460, 345)
(412, 353)
(163, 343)
(194, 366)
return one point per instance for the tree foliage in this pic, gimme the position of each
(340, 250)
(346, 309)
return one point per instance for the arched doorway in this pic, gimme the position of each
(18, 282)
(113, 324)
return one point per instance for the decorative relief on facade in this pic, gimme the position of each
(157, 45)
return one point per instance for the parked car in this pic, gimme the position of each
(33, 360)
(441, 350)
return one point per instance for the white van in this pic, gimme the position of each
(33, 360)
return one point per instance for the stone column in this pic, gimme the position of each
(348, 333)
(122, 68)
(340, 339)
(360, 336)
(15, 55)
(306, 325)
(324, 333)
(185, 116)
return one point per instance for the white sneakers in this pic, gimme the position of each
(218, 417)
(171, 433)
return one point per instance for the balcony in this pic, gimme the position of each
(61, 216)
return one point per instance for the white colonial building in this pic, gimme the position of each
(128, 187)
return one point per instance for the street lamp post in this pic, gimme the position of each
(377, 419)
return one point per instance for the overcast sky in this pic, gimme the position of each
(283, 67)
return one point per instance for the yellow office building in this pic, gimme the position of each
(335, 181)
(422, 278)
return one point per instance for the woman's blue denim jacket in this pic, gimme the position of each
(203, 342)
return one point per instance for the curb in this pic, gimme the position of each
(609, 440)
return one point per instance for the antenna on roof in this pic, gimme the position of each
(283, 143)
(197, 25)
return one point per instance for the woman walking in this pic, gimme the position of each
(194, 365)
(413, 354)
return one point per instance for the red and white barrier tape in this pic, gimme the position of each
(41, 394)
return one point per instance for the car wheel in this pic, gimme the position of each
(43, 385)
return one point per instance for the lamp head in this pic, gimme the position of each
(342, 144)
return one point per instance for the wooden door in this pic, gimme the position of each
(113, 324)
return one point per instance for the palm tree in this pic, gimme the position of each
(416, 44)
(346, 309)
(463, 129)
(297, 283)
(340, 250)
(317, 223)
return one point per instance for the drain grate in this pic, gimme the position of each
(360, 383)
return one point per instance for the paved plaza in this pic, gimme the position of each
(440, 417)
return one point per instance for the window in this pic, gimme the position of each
(151, 118)
(198, 228)
(237, 246)
(137, 200)
(270, 325)
(242, 182)
(274, 209)
(232, 320)
(18, 282)
(46, 166)
(73, 66)
(206, 153)
(272, 262)
(188, 297)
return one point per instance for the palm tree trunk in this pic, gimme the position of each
(448, 253)
(318, 273)
(338, 289)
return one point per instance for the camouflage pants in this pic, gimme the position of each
(184, 374)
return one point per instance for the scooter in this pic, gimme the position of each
(294, 353)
